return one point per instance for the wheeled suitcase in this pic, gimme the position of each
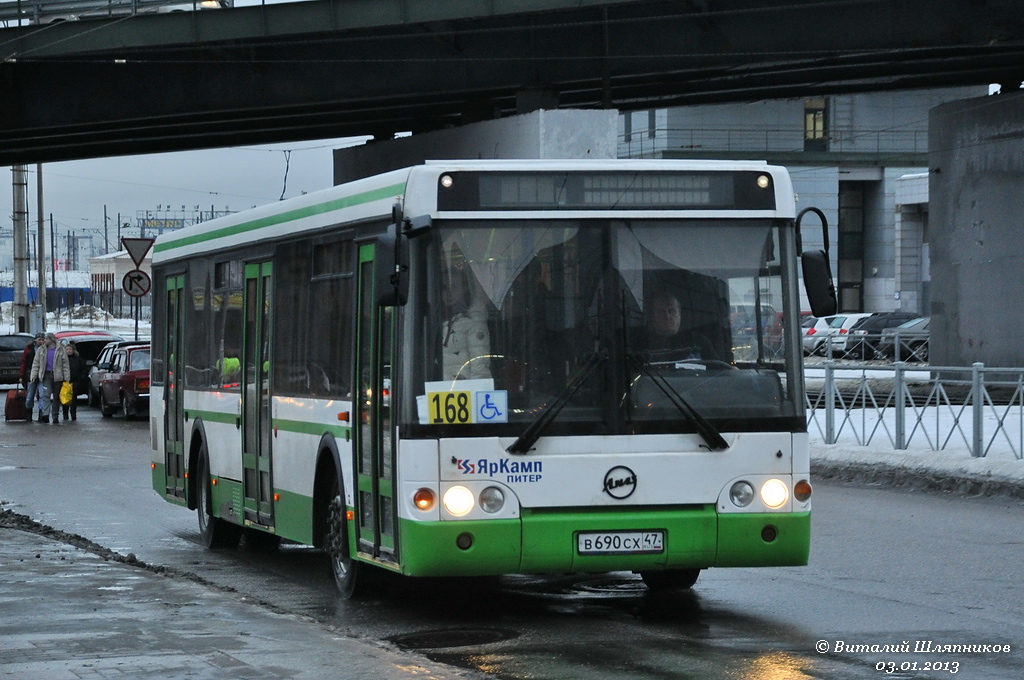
(14, 407)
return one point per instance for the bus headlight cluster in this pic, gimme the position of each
(459, 500)
(424, 499)
(802, 491)
(492, 500)
(741, 494)
(774, 493)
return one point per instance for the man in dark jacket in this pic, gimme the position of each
(79, 380)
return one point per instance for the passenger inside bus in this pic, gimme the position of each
(230, 367)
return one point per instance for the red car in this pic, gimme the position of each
(126, 386)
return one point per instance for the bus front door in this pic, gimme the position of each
(375, 526)
(257, 486)
(174, 446)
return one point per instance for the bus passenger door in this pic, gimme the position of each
(257, 487)
(174, 446)
(374, 498)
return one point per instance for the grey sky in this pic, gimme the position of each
(237, 178)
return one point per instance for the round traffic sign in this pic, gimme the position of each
(136, 283)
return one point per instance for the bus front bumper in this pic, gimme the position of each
(546, 542)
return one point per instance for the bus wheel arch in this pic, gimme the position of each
(331, 529)
(328, 474)
(214, 532)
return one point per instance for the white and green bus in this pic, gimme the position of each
(457, 369)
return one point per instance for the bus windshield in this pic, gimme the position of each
(613, 322)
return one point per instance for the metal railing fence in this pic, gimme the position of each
(646, 141)
(942, 407)
(888, 345)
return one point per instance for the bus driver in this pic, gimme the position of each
(664, 336)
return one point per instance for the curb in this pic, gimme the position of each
(907, 475)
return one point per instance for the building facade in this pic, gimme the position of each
(847, 154)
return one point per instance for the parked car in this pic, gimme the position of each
(867, 333)
(125, 387)
(11, 348)
(913, 338)
(88, 343)
(836, 342)
(102, 366)
(815, 330)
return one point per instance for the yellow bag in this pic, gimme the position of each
(67, 393)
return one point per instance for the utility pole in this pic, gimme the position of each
(20, 188)
(40, 238)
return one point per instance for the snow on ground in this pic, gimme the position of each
(82, 318)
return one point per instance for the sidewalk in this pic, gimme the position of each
(69, 613)
(953, 471)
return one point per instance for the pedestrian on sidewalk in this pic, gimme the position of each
(79, 374)
(31, 386)
(50, 368)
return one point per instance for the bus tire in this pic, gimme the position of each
(347, 573)
(670, 578)
(213, 531)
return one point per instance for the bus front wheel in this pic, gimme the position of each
(214, 532)
(345, 570)
(670, 578)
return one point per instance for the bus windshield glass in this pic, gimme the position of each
(615, 323)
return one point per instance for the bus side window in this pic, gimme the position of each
(328, 365)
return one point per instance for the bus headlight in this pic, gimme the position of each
(492, 499)
(741, 494)
(774, 493)
(458, 500)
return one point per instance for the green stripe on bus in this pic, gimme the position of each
(212, 416)
(298, 426)
(288, 216)
(302, 427)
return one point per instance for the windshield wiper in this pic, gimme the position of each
(529, 437)
(705, 429)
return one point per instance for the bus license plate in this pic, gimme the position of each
(620, 542)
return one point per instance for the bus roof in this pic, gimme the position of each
(374, 197)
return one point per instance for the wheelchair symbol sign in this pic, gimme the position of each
(492, 407)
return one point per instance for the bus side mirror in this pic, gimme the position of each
(391, 265)
(821, 292)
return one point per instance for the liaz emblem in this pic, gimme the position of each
(620, 482)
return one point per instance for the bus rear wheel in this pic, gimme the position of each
(670, 578)
(214, 532)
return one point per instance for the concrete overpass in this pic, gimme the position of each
(329, 68)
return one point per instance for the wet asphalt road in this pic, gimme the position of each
(888, 567)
